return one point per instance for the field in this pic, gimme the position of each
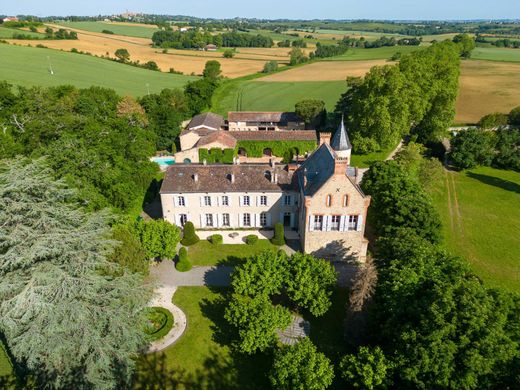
(128, 29)
(487, 87)
(202, 358)
(30, 66)
(481, 222)
(496, 54)
(8, 33)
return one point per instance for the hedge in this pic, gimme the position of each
(216, 239)
(166, 326)
(189, 237)
(278, 148)
(183, 264)
(217, 155)
(251, 239)
(279, 235)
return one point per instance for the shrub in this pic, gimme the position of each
(107, 32)
(160, 322)
(495, 119)
(152, 65)
(514, 116)
(270, 66)
(251, 239)
(228, 155)
(216, 239)
(183, 264)
(279, 235)
(229, 53)
(189, 237)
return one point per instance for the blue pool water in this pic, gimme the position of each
(164, 161)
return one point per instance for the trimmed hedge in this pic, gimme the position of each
(279, 235)
(166, 326)
(251, 239)
(190, 237)
(216, 239)
(217, 155)
(183, 264)
(278, 148)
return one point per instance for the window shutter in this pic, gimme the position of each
(269, 221)
(177, 219)
(186, 201)
(240, 220)
(311, 223)
(281, 218)
(266, 200)
(342, 223)
(216, 222)
(328, 223)
(258, 200)
(201, 201)
(229, 200)
(175, 201)
(202, 224)
(217, 200)
(257, 220)
(289, 203)
(292, 220)
(241, 200)
(359, 223)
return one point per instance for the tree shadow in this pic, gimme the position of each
(152, 201)
(495, 181)
(336, 251)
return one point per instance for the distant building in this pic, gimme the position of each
(10, 19)
(320, 201)
(211, 47)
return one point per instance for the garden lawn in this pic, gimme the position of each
(496, 54)
(129, 30)
(202, 358)
(481, 222)
(205, 253)
(28, 66)
(365, 160)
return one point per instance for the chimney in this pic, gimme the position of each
(325, 138)
(196, 177)
(340, 166)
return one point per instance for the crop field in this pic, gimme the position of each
(496, 54)
(8, 33)
(379, 53)
(487, 87)
(481, 222)
(128, 29)
(30, 66)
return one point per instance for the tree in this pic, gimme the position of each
(183, 265)
(508, 149)
(270, 66)
(199, 93)
(256, 320)
(493, 120)
(159, 238)
(189, 236)
(312, 111)
(212, 70)
(130, 109)
(67, 312)
(466, 44)
(310, 283)
(368, 369)
(470, 148)
(301, 366)
(129, 253)
(297, 56)
(122, 54)
(228, 53)
(514, 116)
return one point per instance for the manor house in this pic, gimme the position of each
(319, 199)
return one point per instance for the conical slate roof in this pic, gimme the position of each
(340, 140)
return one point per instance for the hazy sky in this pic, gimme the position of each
(273, 9)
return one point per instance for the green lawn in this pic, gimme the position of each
(496, 54)
(481, 222)
(202, 358)
(6, 368)
(379, 53)
(29, 66)
(7, 33)
(205, 253)
(129, 31)
(365, 160)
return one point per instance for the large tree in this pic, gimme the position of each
(472, 147)
(312, 111)
(68, 313)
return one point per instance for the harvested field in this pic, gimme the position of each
(487, 87)
(325, 71)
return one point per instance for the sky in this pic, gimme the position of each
(277, 9)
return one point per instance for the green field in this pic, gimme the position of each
(379, 53)
(481, 222)
(129, 31)
(275, 96)
(29, 66)
(496, 54)
(7, 33)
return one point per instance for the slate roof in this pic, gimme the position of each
(253, 116)
(221, 136)
(278, 135)
(208, 119)
(340, 140)
(217, 178)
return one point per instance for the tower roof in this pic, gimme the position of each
(340, 140)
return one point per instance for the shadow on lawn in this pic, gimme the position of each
(495, 181)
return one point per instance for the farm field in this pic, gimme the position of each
(29, 66)
(128, 29)
(487, 87)
(496, 54)
(7, 33)
(481, 222)
(379, 53)
(325, 71)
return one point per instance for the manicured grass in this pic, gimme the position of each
(365, 160)
(277, 96)
(496, 54)
(29, 66)
(205, 253)
(379, 53)
(7, 33)
(202, 357)
(481, 222)
(6, 368)
(130, 31)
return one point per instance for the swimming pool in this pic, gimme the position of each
(164, 161)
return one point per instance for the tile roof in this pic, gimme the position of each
(217, 178)
(207, 119)
(220, 136)
(253, 116)
(278, 135)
